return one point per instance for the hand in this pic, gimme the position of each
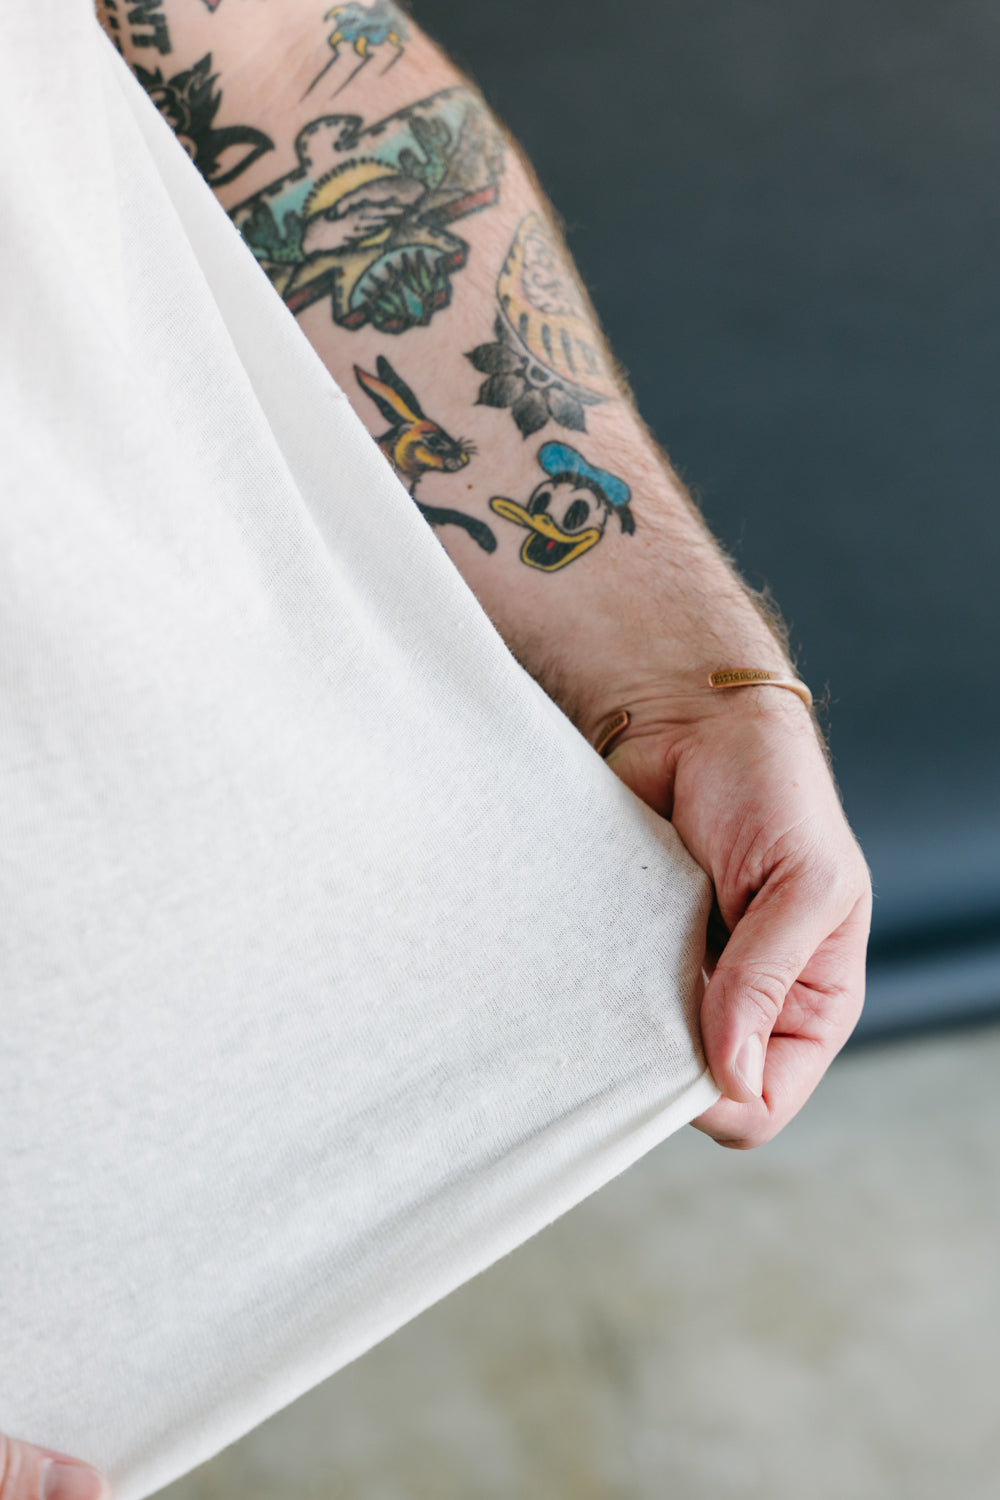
(29, 1473)
(361, 216)
(742, 777)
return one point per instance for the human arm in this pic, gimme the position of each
(402, 229)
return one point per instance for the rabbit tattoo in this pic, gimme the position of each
(415, 445)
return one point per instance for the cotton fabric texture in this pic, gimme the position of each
(333, 961)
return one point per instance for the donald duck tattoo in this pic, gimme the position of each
(566, 514)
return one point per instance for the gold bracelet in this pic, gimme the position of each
(759, 677)
(729, 677)
(611, 729)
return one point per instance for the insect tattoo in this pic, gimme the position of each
(366, 29)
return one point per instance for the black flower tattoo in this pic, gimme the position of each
(535, 395)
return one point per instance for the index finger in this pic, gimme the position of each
(785, 996)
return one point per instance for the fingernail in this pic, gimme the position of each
(73, 1482)
(749, 1065)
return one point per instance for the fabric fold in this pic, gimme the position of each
(334, 962)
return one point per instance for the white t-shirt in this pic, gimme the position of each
(333, 961)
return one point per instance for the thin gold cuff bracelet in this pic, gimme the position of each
(729, 677)
(759, 677)
(611, 729)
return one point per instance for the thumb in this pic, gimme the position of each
(767, 951)
(30, 1473)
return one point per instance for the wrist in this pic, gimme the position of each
(657, 657)
(667, 709)
(648, 641)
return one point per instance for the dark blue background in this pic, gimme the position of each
(788, 214)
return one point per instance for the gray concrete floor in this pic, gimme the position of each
(816, 1320)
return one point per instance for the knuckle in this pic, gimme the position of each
(765, 991)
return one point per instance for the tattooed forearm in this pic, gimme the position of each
(365, 218)
(374, 181)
